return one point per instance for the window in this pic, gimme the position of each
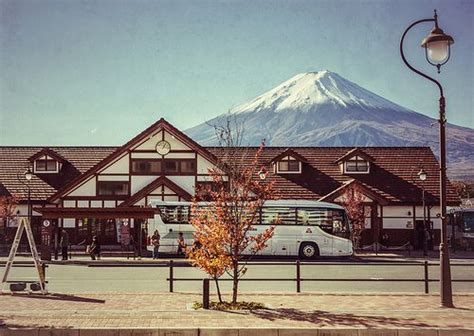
(288, 165)
(357, 165)
(278, 216)
(168, 166)
(171, 166)
(146, 166)
(112, 188)
(188, 166)
(46, 166)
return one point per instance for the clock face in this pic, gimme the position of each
(46, 223)
(163, 147)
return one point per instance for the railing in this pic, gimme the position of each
(298, 279)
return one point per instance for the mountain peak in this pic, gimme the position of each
(306, 91)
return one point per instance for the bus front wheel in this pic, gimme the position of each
(309, 251)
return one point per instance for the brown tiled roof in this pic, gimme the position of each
(393, 174)
(14, 161)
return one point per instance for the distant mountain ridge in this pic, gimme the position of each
(324, 109)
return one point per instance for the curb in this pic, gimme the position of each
(235, 332)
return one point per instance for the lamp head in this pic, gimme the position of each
(28, 174)
(262, 173)
(437, 46)
(422, 174)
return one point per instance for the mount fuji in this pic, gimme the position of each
(324, 109)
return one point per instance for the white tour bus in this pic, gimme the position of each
(302, 228)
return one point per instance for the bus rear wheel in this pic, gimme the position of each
(309, 251)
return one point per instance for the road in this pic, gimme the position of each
(69, 279)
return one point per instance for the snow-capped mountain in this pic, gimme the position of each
(324, 109)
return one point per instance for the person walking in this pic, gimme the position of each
(181, 244)
(64, 243)
(94, 249)
(155, 241)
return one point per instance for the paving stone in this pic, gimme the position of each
(378, 332)
(219, 332)
(258, 332)
(179, 332)
(16, 331)
(146, 332)
(99, 332)
(419, 332)
(298, 332)
(443, 332)
(338, 332)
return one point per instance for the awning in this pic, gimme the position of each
(122, 212)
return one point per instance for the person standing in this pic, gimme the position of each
(155, 241)
(94, 249)
(64, 243)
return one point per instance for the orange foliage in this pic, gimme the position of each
(224, 227)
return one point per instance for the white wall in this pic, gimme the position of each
(185, 182)
(85, 189)
(150, 143)
(203, 165)
(139, 182)
(175, 143)
(119, 166)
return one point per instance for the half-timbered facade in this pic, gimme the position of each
(100, 190)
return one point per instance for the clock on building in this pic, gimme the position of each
(163, 147)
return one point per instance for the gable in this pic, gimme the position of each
(119, 161)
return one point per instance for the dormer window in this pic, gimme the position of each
(46, 165)
(288, 162)
(356, 161)
(47, 161)
(356, 164)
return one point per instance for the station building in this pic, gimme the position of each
(102, 190)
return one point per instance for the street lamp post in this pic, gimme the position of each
(437, 50)
(28, 176)
(422, 175)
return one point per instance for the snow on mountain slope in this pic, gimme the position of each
(324, 109)
(305, 90)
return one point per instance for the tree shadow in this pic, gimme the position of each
(59, 297)
(320, 317)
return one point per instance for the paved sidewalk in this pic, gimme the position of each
(172, 310)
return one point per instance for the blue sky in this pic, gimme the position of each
(98, 72)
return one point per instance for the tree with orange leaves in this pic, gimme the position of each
(224, 228)
(353, 202)
(8, 206)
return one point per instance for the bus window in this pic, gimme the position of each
(468, 221)
(174, 214)
(313, 217)
(276, 216)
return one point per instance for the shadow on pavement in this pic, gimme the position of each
(60, 297)
(334, 319)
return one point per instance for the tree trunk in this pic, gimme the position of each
(218, 289)
(235, 282)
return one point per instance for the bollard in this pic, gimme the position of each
(427, 289)
(171, 276)
(205, 293)
(298, 277)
